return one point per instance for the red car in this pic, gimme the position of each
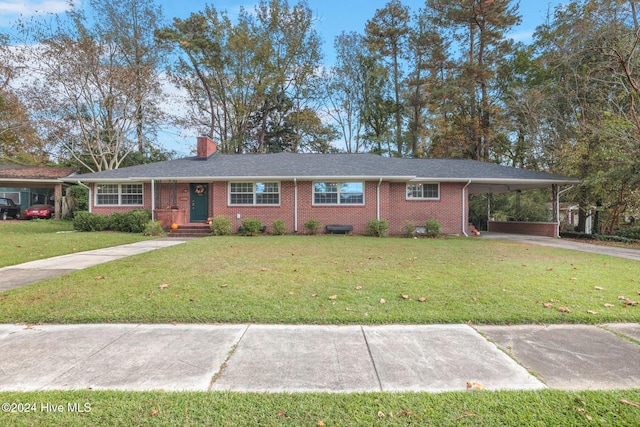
(38, 211)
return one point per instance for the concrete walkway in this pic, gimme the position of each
(19, 275)
(627, 253)
(289, 358)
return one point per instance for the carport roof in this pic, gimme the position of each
(484, 177)
(23, 176)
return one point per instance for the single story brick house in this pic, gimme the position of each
(342, 189)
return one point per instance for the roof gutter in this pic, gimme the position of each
(378, 200)
(464, 215)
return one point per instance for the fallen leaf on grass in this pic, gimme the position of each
(154, 412)
(404, 296)
(598, 288)
(592, 312)
(163, 286)
(383, 301)
(627, 301)
(474, 386)
(332, 297)
(280, 414)
(547, 305)
(381, 414)
(627, 402)
(101, 277)
(564, 310)
(320, 423)
(606, 304)
(358, 288)
(263, 269)
(622, 297)
(422, 299)
(314, 295)
(549, 269)
(582, 410)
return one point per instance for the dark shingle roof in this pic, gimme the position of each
(34, 172)
(312, 166)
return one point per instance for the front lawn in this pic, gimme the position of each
(527, 408)
(24, 241)
(339, 280)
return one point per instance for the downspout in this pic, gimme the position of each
(295, 205)
(153, 199)
(90, 198)
(557, 207)
(378, 200)
(464, 215)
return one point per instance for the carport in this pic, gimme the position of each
(28, 184)
(558, 186)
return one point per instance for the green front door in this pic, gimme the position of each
(199, 202)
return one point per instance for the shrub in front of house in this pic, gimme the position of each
(432, 228)
(220, 226)
(278, 228)
(153, 228)
(408, 229)
(377, 228)
(251, 226)
(312, 226)
(129, 222)
(86, 221)
(632, 233)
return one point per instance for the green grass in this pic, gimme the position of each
(337, 280)
(527, 408)
(24, 241)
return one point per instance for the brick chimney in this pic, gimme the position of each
(206, 147)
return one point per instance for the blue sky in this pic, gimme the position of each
(332, 18)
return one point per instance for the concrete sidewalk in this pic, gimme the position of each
(30, 272)
(289, 358)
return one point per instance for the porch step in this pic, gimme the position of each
(190, 231)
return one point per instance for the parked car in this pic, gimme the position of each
(38, 211)
(8, 209)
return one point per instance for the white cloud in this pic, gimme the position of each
(12, 10)
(31, 7)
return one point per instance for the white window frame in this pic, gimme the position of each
(422, 197)
(338, 193)
(254, 193)
(119, 194)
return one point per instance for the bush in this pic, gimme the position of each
(408, 229)
(251, 226)
(278, 227)
(629, 232)
(312, 226)
(432, 228)
(129, 222)
(377, 228)
(153, 228)
(221, 226)
(86, 221)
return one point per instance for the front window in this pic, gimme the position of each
(338, 193)
(119, 194)
(254, 193)
(430, 191)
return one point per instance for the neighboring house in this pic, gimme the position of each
(28, 185)
(343, 189)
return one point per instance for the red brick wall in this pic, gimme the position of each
(394, 207)
(548, 229)
(399, 210)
